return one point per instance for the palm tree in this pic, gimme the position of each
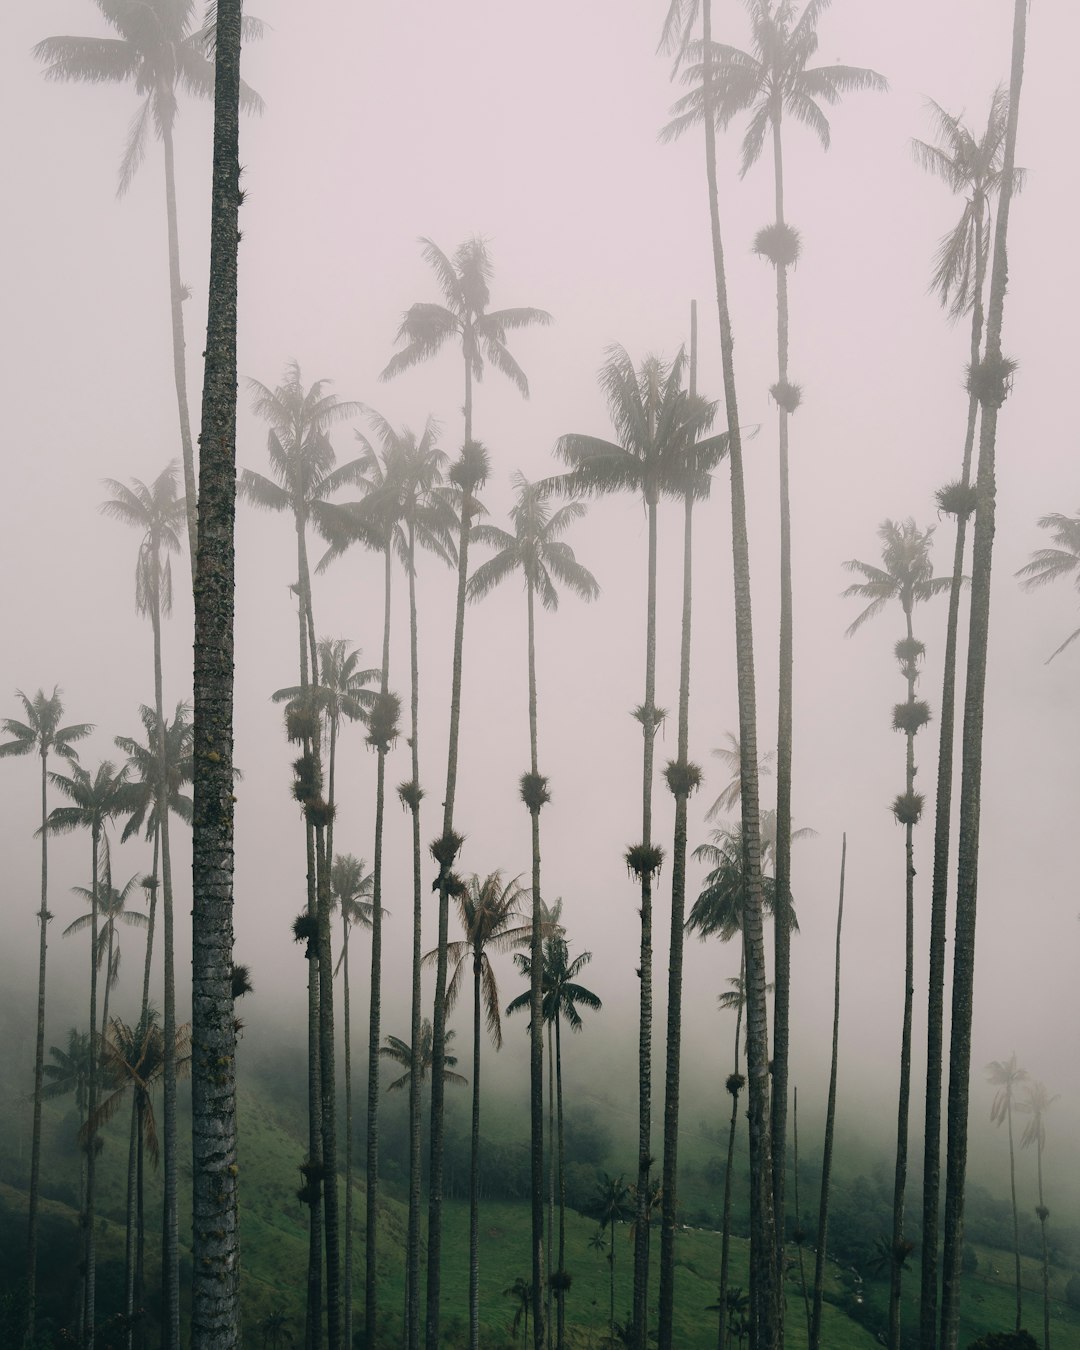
(991, 378)
(490, 914)
(351, 888)
(907, 576)
(305, 466)
(96, 799)
(658, 425)
(521, 1291)
(112, 907)
(468, 475)
(971, 167)
(41, 734)
(609, 1209)
(769, 81)
(730, 756)
(425, 327)
(764, 1284)
(1050, 564)
(215, 1315)
(535, 550)
(1006, 1075)
(1036, 1104)
(158, 50)
(401, 1052)
(561, 999)
(821, 1246)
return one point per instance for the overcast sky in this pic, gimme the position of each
(537, 127)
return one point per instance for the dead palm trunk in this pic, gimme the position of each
(764, 1293)
(536, 1028)
(928, 1300)
(680, 782)
(215, 1317)
(830, 1127)
(990, 379)
(371, 1288)
(413, 797)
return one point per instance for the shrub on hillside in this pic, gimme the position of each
(1005, 1340)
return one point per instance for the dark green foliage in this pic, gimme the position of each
(780, 243)
(410, 795)
(305, 929)
(561, 1280)
(301, 724)
(319, 812)
(643, 860)
(446, 848)
(1005, 1340)
(734, 1084)
(241, 981)
(307, 781)
(991, 380)
(382, 721)
(956, 499)
(910, 717)
(786, 395)
(534, 790)
(908, 807)
(1072, 1292)
(682, 779)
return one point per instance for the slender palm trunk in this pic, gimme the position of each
(830, 1127)
(438, 1021)
(39, 1072)
(90, 1247)
(928, 1299)
(782, 918)
(641, 1225)
(725, 1235)
(681, 789)
(176, 298)
(1016, 1214)
(536, 1027)
(346, 1015)
(971, 757)
(371, 1288)
(550, 1292)
(902, 1110)
(1044, 1214)
(215, 1256)
(561, 1291)
(140, 1224)
(764, 1293)
(131, 1220)
(474, 1167)
(611, 1305)
(412, 1273)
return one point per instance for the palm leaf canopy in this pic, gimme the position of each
(142, 790)
(96, 798)
(1005, 1075)
(351, 888)
(401, 1053)
(1047, 564)
(342, 690)
(659, 429)
(42, 733)
(769, 81)
(534, 549)
(157, 48)
(464, 282)
(561, 995)
(161, 515)
(906, 574)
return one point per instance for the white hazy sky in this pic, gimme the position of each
(537, 127)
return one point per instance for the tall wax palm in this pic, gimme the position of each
(468, 475)
(351, 889)
(465, 318)
(657, 423)
(305, 466)
(159, 50)
(562, 998)
(1006, 1075)
(1036, 1104)
(491, 915)
(610, 1208)
(401, 1052)
(906, 576)
(991, 378)
(112, 909)
(764, 1282)
(95, 800)
(158, 513)
(1051, 564)
(41, 734)
(215, 1301)
(536, 551)
(970, 167)
(768, 82)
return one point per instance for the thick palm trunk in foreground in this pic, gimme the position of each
(215, 1317)
(763, 1283)
(990, 379)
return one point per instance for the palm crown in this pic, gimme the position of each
(1049, 564)
(351, 888)
(342, 689)
(42, 733)
(425, 327)
(96, 798)
(768, 81)
(157, 49)
(142, 791)
(561, 995)
(974, 168)
(401, 1053)
(906, 574)
(161, 515)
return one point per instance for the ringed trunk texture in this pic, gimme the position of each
(764, 1293)
(215, 1317)
(971, 755)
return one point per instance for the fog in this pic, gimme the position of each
(538, 129)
